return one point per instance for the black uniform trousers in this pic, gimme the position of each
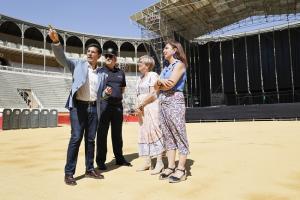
(110, 114)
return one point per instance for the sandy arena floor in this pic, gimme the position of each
(228, 161)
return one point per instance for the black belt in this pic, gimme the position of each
(90, 103)
(114, 101)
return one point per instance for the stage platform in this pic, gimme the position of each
(244, 112)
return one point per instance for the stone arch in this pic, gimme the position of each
(4, 62)
(141, 49)
(33, 42)
(10, 32)
(33, 37)
(74, 45)
(127, 50)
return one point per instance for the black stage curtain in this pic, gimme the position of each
(197, 102)
(241, 71)
(204, 75)
(268, 67)
(240, 65)
(216, 81)
(262, 76)
(228, 73)
(295, 50)
(190, 75)
(283, 65)
(192, 70)
(254, 69)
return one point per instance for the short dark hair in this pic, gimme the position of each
(97, 46)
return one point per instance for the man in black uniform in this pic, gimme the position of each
(111, 112)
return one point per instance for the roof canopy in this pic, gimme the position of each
(193, 18)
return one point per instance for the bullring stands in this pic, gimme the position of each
(47, 90)
(50, 91)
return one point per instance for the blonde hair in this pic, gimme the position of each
(148, 61)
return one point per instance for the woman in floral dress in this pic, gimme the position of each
(150, 141)
(172, 111)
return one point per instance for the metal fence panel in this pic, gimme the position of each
(52, 118)
(25, 119)
(44, 118)
(6, 119)
(16, 119)
(34, 118)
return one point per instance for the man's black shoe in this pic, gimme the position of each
(102, 166)
(123, 163)
(70, 180)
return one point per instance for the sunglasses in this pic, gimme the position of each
(109, 56)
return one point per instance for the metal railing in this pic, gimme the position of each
(33, 71)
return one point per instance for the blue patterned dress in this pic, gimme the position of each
(172, 113)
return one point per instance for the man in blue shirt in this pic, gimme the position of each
(111, 112)
(84, 105)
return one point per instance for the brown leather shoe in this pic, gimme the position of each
(94, 174)
(70, 180)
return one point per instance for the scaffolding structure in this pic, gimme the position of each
(251, 25)
(155, 31)
(151, 35)
(193, 18)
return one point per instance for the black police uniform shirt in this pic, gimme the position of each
(116, 80)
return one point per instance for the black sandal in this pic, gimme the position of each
(164, 176)
(174, 179)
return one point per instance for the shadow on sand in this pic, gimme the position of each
(112, 165)
(188, 165)
(130, 157)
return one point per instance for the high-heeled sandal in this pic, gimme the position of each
(165, 175)
(174, 179)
